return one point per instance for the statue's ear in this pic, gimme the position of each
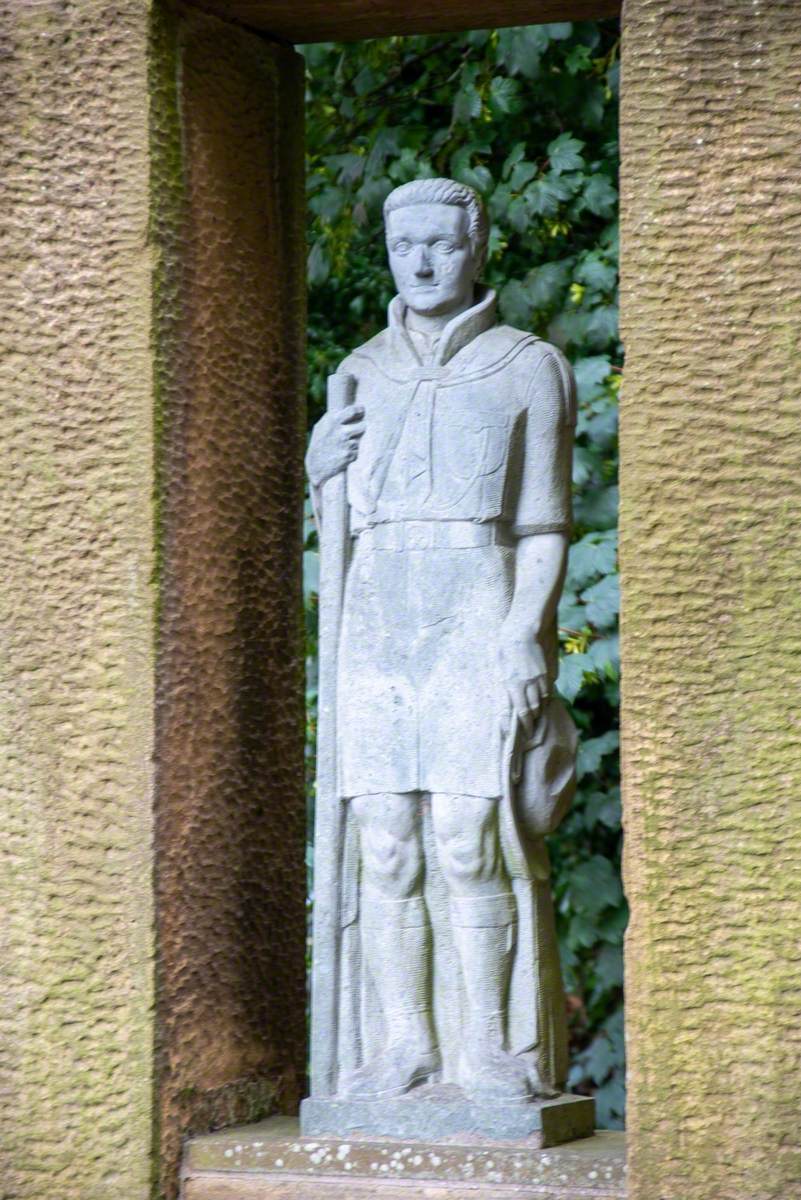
(479, 262)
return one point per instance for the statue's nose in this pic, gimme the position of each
(422, 266)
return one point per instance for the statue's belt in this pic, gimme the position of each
(434, 535)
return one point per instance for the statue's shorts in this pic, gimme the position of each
(421, 705)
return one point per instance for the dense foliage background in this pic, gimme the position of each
(528, 116)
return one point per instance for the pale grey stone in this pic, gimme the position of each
(442, 482)
(433, 1112)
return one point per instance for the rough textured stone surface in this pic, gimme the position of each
(230, 879)
(711, 139)
(77, 603)
(83, 249)
(346, 20)
(272, 1161)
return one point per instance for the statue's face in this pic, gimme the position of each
(431, 258)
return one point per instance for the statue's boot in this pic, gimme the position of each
(397, 945)
(484, 929)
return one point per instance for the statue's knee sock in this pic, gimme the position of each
(397, 944)
(484, 930)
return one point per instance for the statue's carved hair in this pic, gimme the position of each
(446, 191)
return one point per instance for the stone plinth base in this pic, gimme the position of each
(274, 1161)
(442, 1111)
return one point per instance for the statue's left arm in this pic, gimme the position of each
(539, 573)
(542, 524)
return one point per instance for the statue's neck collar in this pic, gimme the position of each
(458, 333)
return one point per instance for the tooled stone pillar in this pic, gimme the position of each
(150, 674)
(711, 492)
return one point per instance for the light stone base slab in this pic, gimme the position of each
(442, 1111)
(274, 1161)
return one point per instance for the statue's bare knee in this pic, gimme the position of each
(392, 853)
(466, 831)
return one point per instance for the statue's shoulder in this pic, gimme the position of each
(498, 348)
(550, 373)
(374, 352)
(504, 339)
(504, 343)
(540, 368)
(532, 351)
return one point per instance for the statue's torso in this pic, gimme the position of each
(458, 459)
(447, 442)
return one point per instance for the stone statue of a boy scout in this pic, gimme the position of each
(453, 755)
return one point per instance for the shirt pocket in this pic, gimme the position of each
(473, 444)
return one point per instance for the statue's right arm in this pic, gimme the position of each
(334, 443)
(333, 447)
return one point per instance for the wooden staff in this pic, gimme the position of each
(329, 819)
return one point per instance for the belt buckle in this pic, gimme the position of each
(418, 535)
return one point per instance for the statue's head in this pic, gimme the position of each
(437, 242)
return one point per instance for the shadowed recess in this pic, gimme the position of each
(230, 806)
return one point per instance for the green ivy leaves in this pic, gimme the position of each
(564, 154)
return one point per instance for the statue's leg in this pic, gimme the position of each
(484, 922)
(396, 940)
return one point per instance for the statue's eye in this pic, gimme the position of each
(443, 247)
(402, 247)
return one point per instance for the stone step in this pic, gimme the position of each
(273, 1161)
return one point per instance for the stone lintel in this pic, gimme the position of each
(274, 1161)
(347, 20)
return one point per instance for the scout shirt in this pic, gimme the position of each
(461, 456)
